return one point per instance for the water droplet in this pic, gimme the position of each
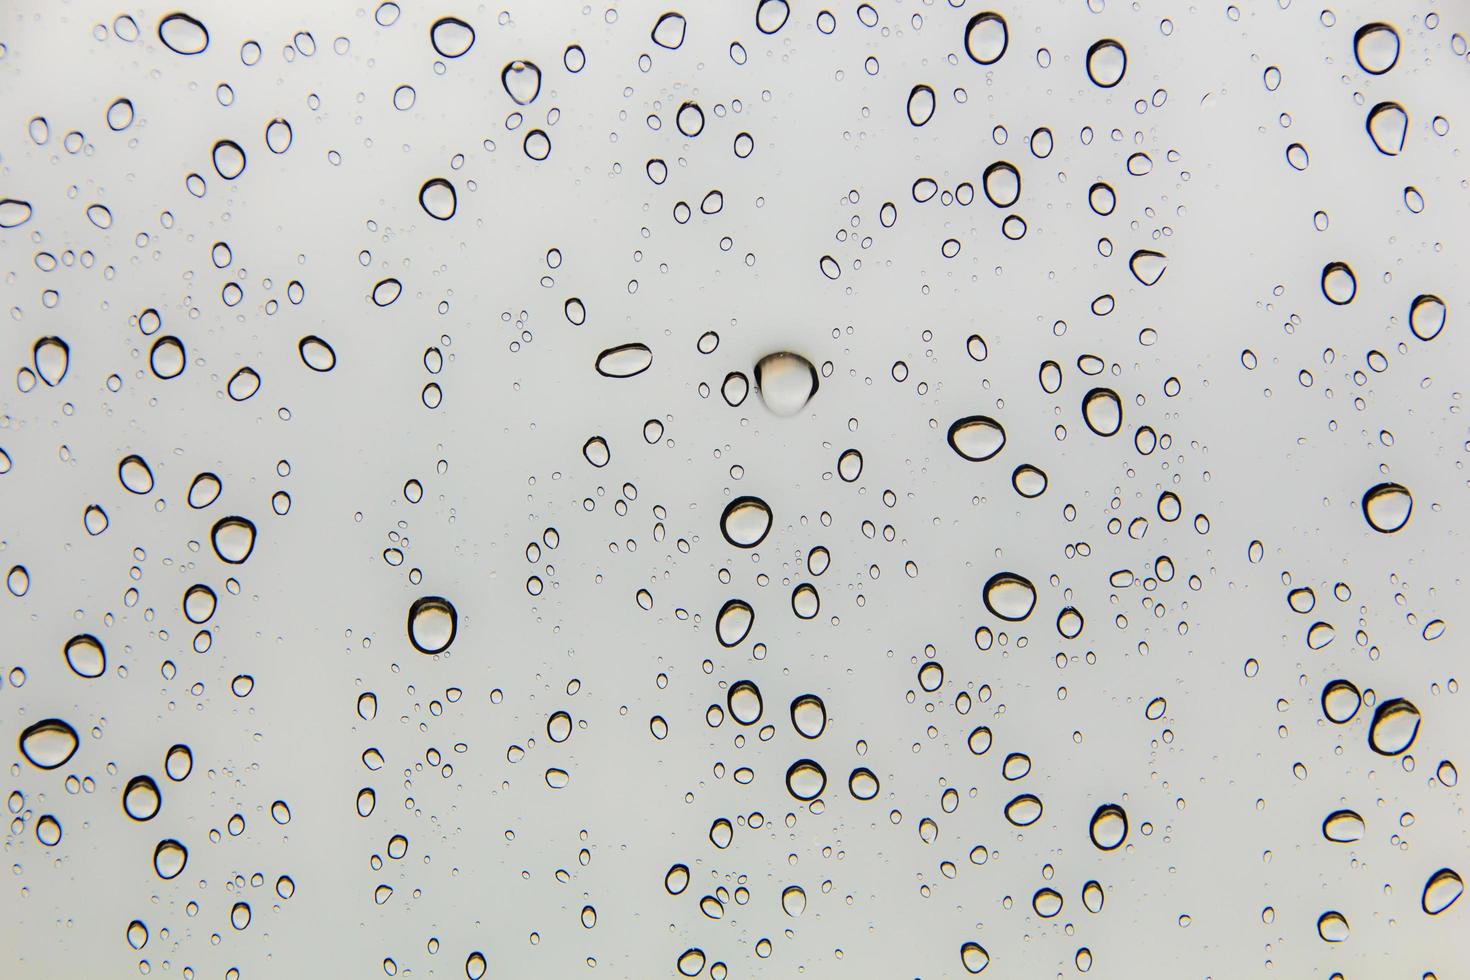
(1343, 827)
(677, 879)
(624, 361)
(1029, 481)
(1009, 596)
(1376, 46)
(921, 104)
(51, 355)
(438, 199)
(1339, 284)
(135, 476)
(204, 490)
(809, 716)
(48, 744)
(1388, 127)
(451, 37)
(316, 353)
(1102, 410)
(228, 159)
(432, 623)
(1387, 507)
(770, 15)
(85, 655)
(137, 934)
(278, 136)
(689, 119)
(786, 382)
(793, 901)
(141, 799)
(120, 115)
(178, 762)
(746, 521)
(691, 962)
(1047, 902)
(243, 384)
(1109, 827)
(386, 291)
(734, 622)
(806, 779)
(14, 213)
(1024, 810)
(169, 858)
(1394, 727)
(1107, 62)
(1332, 927)
(167, 359)
(986, 38)
(744, 700)
(1442, 890)
(973, 957)
(977, 437)
(1148, 266)
(182, 34)
(850, 465)
(233, 539)
(668, 31)
(980, 740)
(48, 830)
(1002, 185)
(94, 520)
(1426, 316)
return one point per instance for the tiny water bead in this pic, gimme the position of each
(432, 624)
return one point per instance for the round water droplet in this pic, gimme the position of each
(48, 830)
(85, 655)
(141, 799)
(1047, 902)
(786, 382)
(1387, 507)
(806, 779)
(48, 744)
(169, 858)
(438, 199)
(977, 437)
(1029, 481)
(973, 957)
(243, 384)
(432, 623)
(1009, 596)
(386, 291)
(1426, 316)
(1109, 827)
(677, 879)
(986, 38)
(980, 740)
(228, 158)
(850, 465)
(167, 359)
(559, 726)
(771, 15)
(746, 521)
(624, 361)
(744, 700)
(1388, 127)
(182, 34)
(1394, 727)
(1442, 890)
(793, 901)
(1107, 62)
(809, 716)
(451, 37)
(1102, 410)
(691, 962)
(1339, 284)
(596, 451)
(120, 115)
(1332, 927)
(734, 622)
(1343, 827)
(233, 539)
(1376, 46)
(278, 136)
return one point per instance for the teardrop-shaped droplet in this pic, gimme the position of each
(432, 624)
(746, 521)
(48, 744)
(986, 38)
(793, 901)
(1442, 890)
(786, 382)
(522, 81)
(921, 104)
(1387, 507)
(977, 437)
(51, 355)
(1009, 596)
(668, 31)
(624, 361)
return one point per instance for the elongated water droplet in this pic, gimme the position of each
(182, 34)
(316, 353)
(809, 716)
(1102, 410)
(734, 621)
(1426, 316)
(135, 476)
(48, 744)
(1107, 61)
(977, 437)
(921, 104)
(624, 361)
(1023, 810)
(1340, 701)
(1442, 890)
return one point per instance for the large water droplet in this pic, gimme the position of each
(1102, 410)
(1387, 507)
(921, 104)
(135, 476)
(316, 353)
(786, 382)
(806, 779)
(808, 715)
(1009, 596)
(1441, 891)
(1343, 827)
(1109, 827)
(1340, 701)
(986, 38)
(1388, 127)
(182, 34)
(438, 199)
(166, 359)
(1426, 316)
(1148, 266)
(85, 655)
(233, 539)
(141, 799)
(793, 901)
(668, 31)
(1376, 46)
(734, 621)
(14, 213)
(51, 355)
(432, 623)
(746, 521)
(744, 700)
(451, 37)
(522, 81)
(1023, 810)
(169, 858)
(1107, 62)
(1332, 927)
(1395, 725)
(48, 744)
(624, 361)
(977, 437)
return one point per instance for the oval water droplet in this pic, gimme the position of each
(1393, 729)
(1387, 507)
(921, 104)
(809, 716)
(973, 957)
(1009, 596)
(51, 356)
(734, 622)
(977, 437)
(624, 361)
(1109, 827)
(806, 779)
(986, 38)
(1340, 701)
(228, 158)
(204, 490)
(746, 521)
(141, 799)
(1376, 46)
(744, 700)
(432, 624)
(1442, 890)
(48, 744)
(166, 359)
(771, 15)
(1426, 316)
(1107, 62)
(1029, 481)
(85, 655)
(169, 859)
(1102, 410)
(1023, 810)
(14, 213)
(135, 476)
(316, 353)
(1332, 927)
(451, 37)
(862, 784)
(793, 901)
(182, 34)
